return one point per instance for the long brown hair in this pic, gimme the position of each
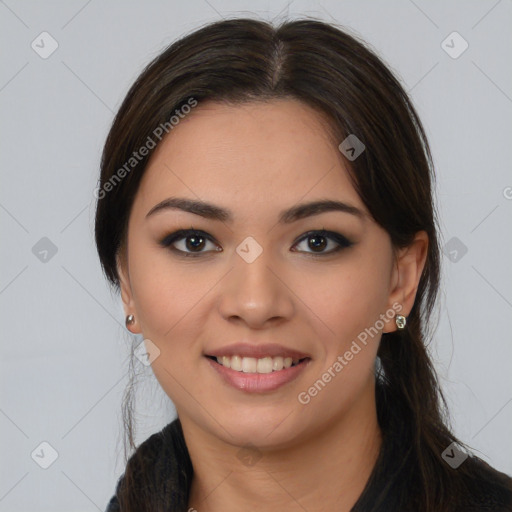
(325, 67)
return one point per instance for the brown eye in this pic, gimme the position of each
(318, 241)
(189, 242)
(194, 242)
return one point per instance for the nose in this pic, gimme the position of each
(256, 293)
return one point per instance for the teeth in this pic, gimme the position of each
(253, 365)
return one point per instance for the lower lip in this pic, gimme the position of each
(258, 382)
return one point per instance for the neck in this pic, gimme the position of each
(327, 472)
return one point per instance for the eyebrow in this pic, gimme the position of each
(293, 214)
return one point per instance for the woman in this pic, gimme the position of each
(265, 208)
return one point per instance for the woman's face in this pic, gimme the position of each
(257, 277)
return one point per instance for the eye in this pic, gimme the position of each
(189, 242)
(193, 242)
(318, 241)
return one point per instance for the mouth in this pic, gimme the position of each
(262, 365)
(257, 375)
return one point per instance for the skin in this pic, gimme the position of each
(256, 160)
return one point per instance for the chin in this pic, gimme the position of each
(271, 429)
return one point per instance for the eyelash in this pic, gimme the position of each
(172, 238)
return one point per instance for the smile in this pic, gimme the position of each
(257, 365)
(257, 374)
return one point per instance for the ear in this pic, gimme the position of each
(408, 267)
(126, 291)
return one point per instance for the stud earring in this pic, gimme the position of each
(130, 319)
(400, 321)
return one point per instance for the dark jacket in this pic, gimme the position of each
(480, 487)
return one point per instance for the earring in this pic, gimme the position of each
(130, 319)
(400, 321)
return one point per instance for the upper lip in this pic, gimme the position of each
(257, 351)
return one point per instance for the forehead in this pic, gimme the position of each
(264, 153)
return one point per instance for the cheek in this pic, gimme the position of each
(347, 306)
(170, 300)
(164, 293)
(346, 300)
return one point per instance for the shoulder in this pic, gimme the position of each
(113, 505)
(151, 451)
(485, 488)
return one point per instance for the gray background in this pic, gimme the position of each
(64, 348)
